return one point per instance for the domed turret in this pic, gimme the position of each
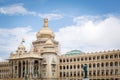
(21, 47)
(45, 32)
(45, 39)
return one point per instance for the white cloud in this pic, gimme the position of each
(90, 34)
(51, 16)
(11, 38)
(83, 19)
(13, 9)
(19, 9)
(1, 59)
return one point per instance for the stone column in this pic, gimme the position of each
(21, 69)
(39, 74)
(13, 69)
(28, 67)
(32, 67)
(25, 68)
(17, 69)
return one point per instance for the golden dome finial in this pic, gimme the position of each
(45, 22)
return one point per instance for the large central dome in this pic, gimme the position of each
(45, 32)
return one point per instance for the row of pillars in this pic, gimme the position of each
(20, 69)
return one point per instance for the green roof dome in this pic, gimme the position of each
(74, 52)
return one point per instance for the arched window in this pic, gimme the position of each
(63, 67)
(63, 60)
(102, 65)
(74, 59)
(82, 73)
(89, 65)
(111, 64)
(67, 60)
(89, 58)
(111, 72)
(107, 64)
(98, 57)
(116, 56)
(106, 56)
(85, 58)
(78, 66)
(78, 59)
(111, 56)
(94, 57)
(60, 60)
(67, 67)
(81, 65)
(74, 66)
(70, 66)
(116, 71)
(94, 73)
(102, 57)
(102, 72)
(70, 73)
(81, 59)
(64, 74)
(94, 65)
(116, 64)
(90, 73)
(74, 73)
(60, 74)
(98, 64)
(60, 67)
(107, 72)
(78, 73)
(98, 72)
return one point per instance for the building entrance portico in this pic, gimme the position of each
(27, 67)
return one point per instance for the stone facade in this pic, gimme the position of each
(43, 62)
(101, 66)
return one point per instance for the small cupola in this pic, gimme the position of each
(21, 48)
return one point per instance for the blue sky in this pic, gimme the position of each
(67, 8)
(80, 18)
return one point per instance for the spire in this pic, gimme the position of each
(45, 22)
